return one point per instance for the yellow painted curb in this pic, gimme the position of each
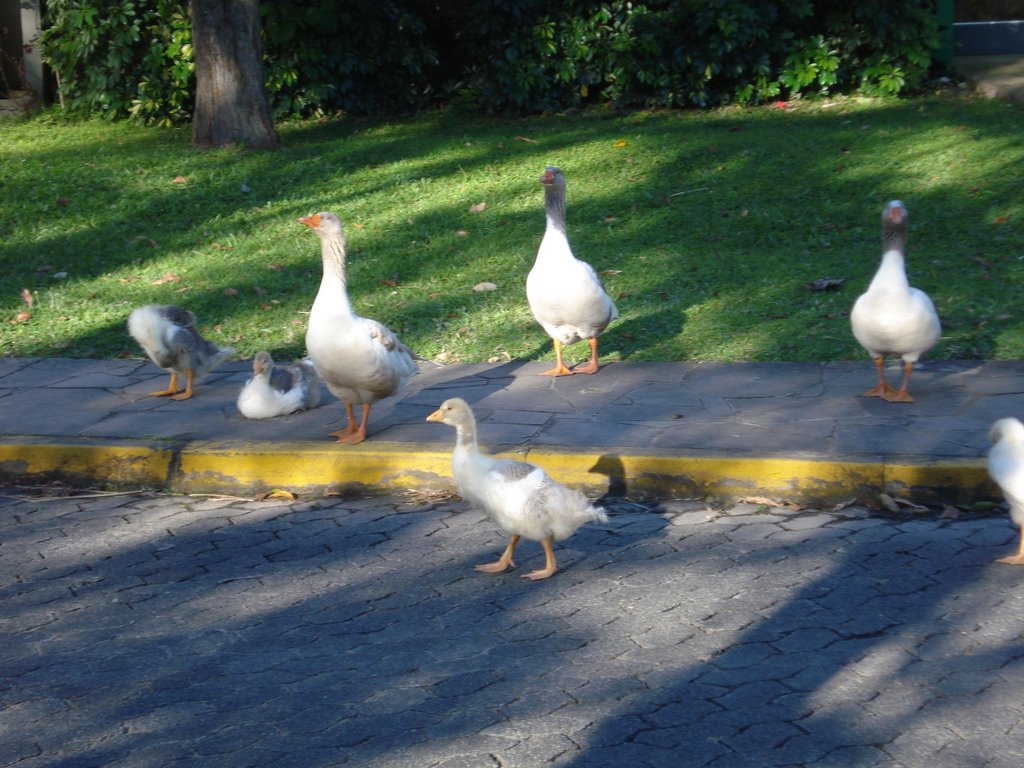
(113, 464)
(810, 480)
(237, 468)
(217, 467)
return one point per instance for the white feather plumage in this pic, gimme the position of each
(520, 497)
(1006, 466)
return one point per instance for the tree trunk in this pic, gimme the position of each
(231, 102)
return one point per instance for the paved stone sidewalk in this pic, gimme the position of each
(143, 630)
(791, 430)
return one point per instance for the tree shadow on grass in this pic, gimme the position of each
(693, 210)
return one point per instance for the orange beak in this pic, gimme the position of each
(435, 416)
(547, 177)
(311, 221)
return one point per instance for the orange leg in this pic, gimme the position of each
(883, 387)
(901, 395)
(560, 368)
(592, 366)
(1017, 559)
(550, 566)
(172, 386)
(189, 376)
(504, 562)
(350, 427)
(353, 434)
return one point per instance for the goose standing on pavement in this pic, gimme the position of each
(892, 317)
(277, 390)
(565, 294)
(169, 337)
(1006, 466)
(520, 497)
(359, 360)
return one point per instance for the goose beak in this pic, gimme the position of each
(435, 416)
(548, 177)
(311, 221)
(896, 211)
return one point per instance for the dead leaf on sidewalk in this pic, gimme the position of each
(766, 502)
(895, 504)
(277, 493)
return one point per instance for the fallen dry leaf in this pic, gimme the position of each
(528, 141)
(610, 219)
(478, 207)
(275, 266)
(179, 180)
(277, 493)
(763, 501)
(23, 317)
(168, 277)
(1001, 219)
(63, 201)
(950, 513)
(619, 143)
(461, 233)
(888, 502)
(825, 284)
(480, 287)
(26, 296)
(230, 291)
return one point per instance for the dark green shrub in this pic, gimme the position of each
(119, 57)
(134, 57)
(364, 57)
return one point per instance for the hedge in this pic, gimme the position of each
(122, 58)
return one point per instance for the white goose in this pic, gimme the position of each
(277, 390)
(892, 317)
(359, 360)
(169, 337)
(520, 497)
(565, 294)
(1006, 466)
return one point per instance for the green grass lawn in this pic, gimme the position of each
(705, 226)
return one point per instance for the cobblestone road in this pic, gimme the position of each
(143, 630)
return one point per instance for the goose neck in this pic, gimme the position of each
(894, 238)
(465, 435)
(333, 294)
(554, 208)
(332, 251)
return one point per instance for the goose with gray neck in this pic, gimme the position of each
(892, 317)
(565, 294)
